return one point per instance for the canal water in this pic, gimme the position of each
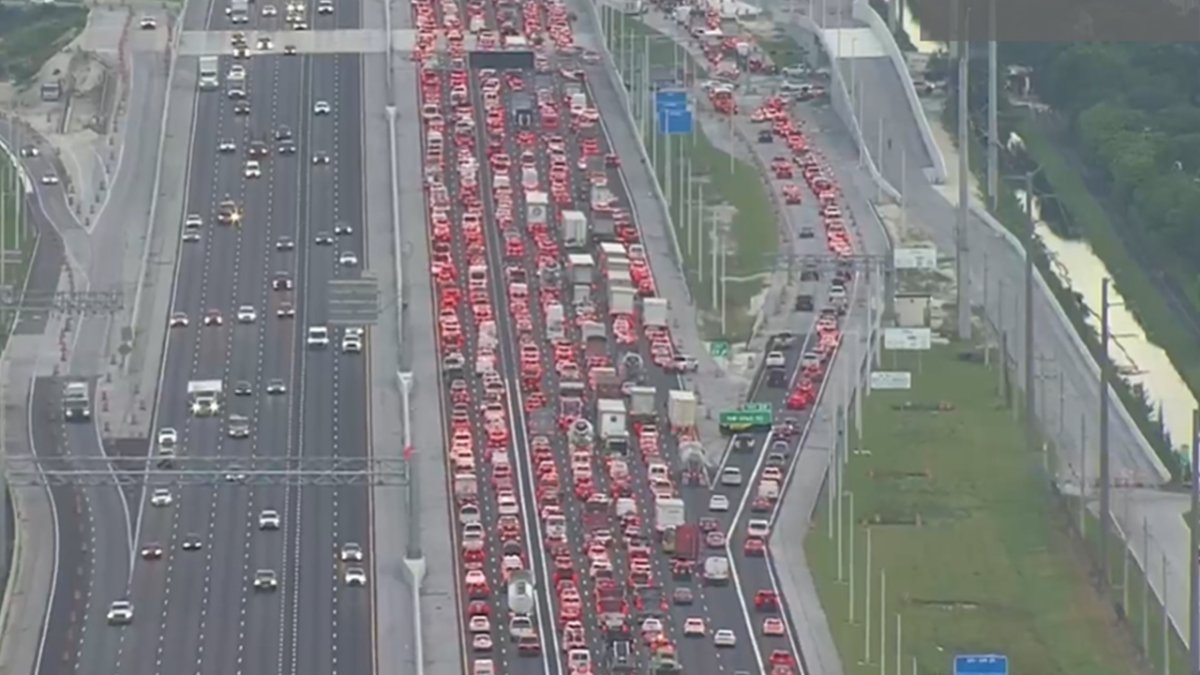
(1135, 356)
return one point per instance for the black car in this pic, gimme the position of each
(30, 151)
(152, 552)
(683, 596)
(258, 149)
(281, 282)
(285, 244)
(243, 388)
(241, 108)
(283, 133)
(287, 148)
(192, 542)
(744, 443)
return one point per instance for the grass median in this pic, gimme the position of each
(735, 196)
(976, 550)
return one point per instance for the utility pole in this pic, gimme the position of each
(1194, 563)
(964, 196)
(993, 145)
(1030, 385)
(1104, 468)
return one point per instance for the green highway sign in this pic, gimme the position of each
(757, 407)
(745, 420)
(718, 348)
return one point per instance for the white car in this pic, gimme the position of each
(191, 236)
(758, 527)
(325, 8)
(213, 318)
(268, 519)
(49, 179)
(161, 497)
(348, 259)
(237, 72)
(731, 476)
(265, 44)
(265, 580)
(318, 336)
(193, 221)
(724, 638)
(148, 23)
(167, 436)
(269, 10)
(718, 503)
(352, 345)
(351, 552)
(246, 314)
(322, 108)
(776, 360)
(120, 612)
(694, 627)
(178, 320)
(226, 146)
(479, 624)
(253, 169)
(356, 576)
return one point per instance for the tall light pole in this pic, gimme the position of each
(1194, 560)
(1105, 367)
(962, 284)
(413, 551)
(993, 146)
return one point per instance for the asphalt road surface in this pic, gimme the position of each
(196, 610)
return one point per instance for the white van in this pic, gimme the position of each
(318, 337)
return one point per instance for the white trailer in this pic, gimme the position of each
(554, 321)
(681, 408)
(621, 300)
(641, 402)
(521, 593)
(669, 513)
(536, 207)
(655, 312)
(575, 229)
(581, 267)
(610, 413)
(619, 279)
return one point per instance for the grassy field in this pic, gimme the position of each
(754, 229)
(30, 35)
(976, 551)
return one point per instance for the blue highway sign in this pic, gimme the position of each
(670, 99)
(675, 121)
(980, 664)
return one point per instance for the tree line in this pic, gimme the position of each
(1132, 111)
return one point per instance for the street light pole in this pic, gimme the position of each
(1030, 419)
(414, 496)
(1105, 365)
(1194, 562)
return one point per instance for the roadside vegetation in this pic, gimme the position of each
(979, 554)
(733, 184)
(1111, 109)
(31, 34)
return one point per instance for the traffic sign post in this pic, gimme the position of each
(980, 664)
(733, 421)
(673, 112)
(718, 348)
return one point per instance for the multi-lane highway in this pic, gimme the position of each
(245, 292)
(512, 146)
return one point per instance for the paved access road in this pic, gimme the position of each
(195, 610)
